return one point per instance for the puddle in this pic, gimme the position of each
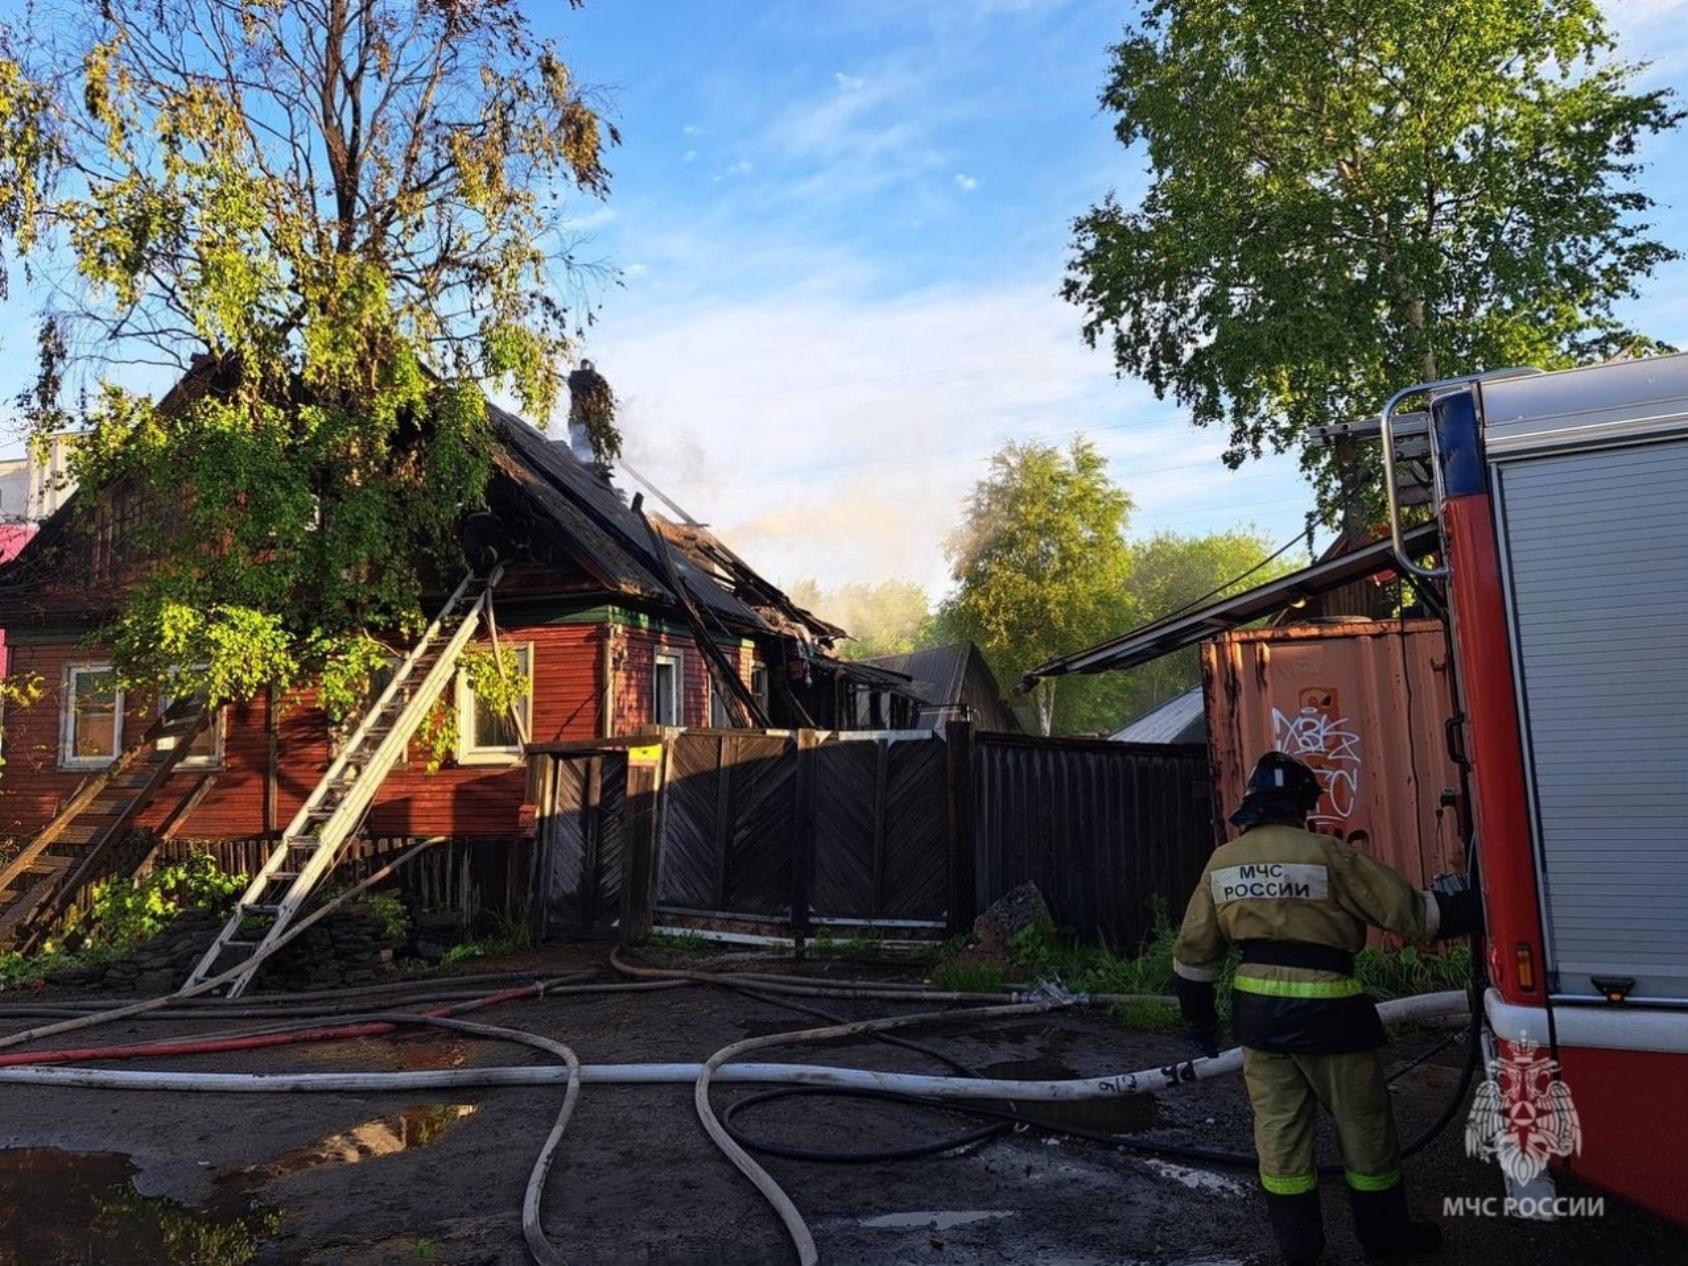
(70, 1208)
(1204, 1180)
(933, 1219)
(421, 1126)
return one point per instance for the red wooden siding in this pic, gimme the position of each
(636, 652)
(567, 669)
(468, 800)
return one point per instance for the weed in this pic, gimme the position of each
(395, 919)
(510, 935)
(685, 942)
(966, 978)
(122, 913)
(1042, 951)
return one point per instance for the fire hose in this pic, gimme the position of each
(27, 1068)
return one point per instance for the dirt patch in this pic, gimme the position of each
(637, 1181)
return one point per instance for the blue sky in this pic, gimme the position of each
(841, 225)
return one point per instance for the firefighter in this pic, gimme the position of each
(1297, 905)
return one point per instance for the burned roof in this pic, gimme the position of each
(596, 527)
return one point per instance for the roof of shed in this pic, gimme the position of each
(1180, 719)
(948, 678)
(1186, 628)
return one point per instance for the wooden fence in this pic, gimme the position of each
(463, 877)
(891, 830)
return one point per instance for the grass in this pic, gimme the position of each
(1042, 952)
(510, 935)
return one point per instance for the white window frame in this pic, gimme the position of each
(677, 661)
(67, 719)
(469, 753)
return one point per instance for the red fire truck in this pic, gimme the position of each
(1563, 504)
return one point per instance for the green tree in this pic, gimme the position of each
(1172, 573)
(891, 617)
(1348, 196)
(343, 219)
(1040, 564)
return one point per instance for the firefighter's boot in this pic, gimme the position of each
(1386, 1232)
(1297, 1223)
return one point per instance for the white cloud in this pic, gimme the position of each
(635, 270)
(690, 156)
(596, 218)
(837, 436)
(965, 182)
(691, 129)
(849, 83)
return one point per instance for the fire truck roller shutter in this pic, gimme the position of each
(1595, 547)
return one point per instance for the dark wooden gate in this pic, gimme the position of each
(881, 829)
(835, 825)
(582, 839)
(782, 830)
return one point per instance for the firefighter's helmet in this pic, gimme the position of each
(1280, 788)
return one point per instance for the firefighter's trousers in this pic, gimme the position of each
(1286, 1090)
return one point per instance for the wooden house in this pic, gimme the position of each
(606, 614)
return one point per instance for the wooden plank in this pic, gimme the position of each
(961, 908)
(723, 818)
(881, 776)
(803, 852)
(591, 831)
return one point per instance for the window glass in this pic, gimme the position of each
(665, 690)
(96, 711)
(487, 729)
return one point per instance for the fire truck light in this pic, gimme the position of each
(1526, 968)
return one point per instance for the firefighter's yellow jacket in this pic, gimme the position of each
(1297, 904)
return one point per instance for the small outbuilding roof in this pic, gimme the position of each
(1180, 719)
(953, 681)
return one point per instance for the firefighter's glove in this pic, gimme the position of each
(1204, 1039)
(1459, 904)
(1201, 1015)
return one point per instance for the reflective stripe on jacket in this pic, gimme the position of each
(1279, 883)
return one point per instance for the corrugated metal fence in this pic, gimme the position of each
(1110, 833)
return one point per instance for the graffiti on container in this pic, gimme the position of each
(1318, 734)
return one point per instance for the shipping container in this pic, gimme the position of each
(1366, 704)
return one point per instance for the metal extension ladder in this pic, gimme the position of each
(335, 809)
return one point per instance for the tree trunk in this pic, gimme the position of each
(1420, 327)
(1045, 706)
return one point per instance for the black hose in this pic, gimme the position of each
(1007, 1118)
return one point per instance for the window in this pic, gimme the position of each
(719, 716)
(91, 720)
(665, 690)
(207, 748)
(486, 737)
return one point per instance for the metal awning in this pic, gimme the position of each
(1186, 628)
